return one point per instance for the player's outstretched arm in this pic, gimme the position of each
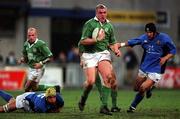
(166, 58)
(123, 44)
(115, 49)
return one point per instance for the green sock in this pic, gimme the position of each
(114, 98)
(105, 95)
(86, 92)
(43, 87)
(98, 85)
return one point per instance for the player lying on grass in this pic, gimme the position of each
(50, 101)
(158, 49)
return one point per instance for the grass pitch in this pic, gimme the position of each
(164, 104)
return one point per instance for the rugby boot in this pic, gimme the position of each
(115, 109)
(131, 109)
(105, 110)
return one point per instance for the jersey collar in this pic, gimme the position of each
(33, 43)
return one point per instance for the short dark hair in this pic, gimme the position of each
(150, 27)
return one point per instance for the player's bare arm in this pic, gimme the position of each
(115, 49)
(41, 63)
(166, 58)
(91, 41)
(122, 44)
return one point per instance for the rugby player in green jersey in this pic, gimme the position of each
(99, 84)
(97, 58)
(36, 54)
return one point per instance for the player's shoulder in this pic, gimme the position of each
(164, 36)
(143, 37)
(25, 43)
(90, 21)
(40, 42)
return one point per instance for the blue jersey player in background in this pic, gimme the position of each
(158, 49)
(47, 102)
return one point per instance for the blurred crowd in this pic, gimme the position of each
(72, 56)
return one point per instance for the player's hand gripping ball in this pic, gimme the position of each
(98, 34)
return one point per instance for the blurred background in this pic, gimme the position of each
(59, 24)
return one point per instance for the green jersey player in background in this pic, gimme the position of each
(36, 54)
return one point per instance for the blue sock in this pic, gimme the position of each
(137, 100)
(5, 95)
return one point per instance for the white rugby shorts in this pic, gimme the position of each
(92, 59)
(153, 76)
(35, 74)
(20, 98)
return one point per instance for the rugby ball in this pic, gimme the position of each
(95, 33)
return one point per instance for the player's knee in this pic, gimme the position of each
(34, 88)
(90, 83)
(27, 89)
(109, 77)
(114, 84)
(136, 89)
(31, 86)
(109, 80)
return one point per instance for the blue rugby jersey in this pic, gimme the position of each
(38, 102)
(154, 49)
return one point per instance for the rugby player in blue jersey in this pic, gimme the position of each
(158, 49)
(47, 102)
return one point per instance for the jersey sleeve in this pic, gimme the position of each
(136, 41)
(87, 31)
(81, 48)
(171, 47)
(46, 51)
(24, 50)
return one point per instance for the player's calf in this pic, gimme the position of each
(149, 92)
(81, 103)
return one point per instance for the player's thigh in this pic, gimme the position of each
(138, 82)
(146, 85)
(105, 69)
(35, 74)
(90, 74)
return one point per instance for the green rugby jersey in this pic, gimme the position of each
(36, 52)
(99, 46)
